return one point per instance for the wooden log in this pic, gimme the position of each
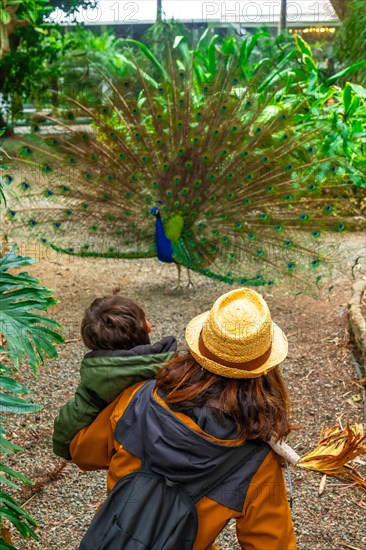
(357, 322)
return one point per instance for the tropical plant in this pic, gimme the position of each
(341, 110)
(29, 44)
(26, 336)
(351, 39)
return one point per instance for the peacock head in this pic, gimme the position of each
(155, 211)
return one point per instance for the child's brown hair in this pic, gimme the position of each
(114, 322)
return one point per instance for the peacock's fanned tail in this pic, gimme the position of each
(254, 193)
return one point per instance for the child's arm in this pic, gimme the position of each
(75, 415)
(102, 380)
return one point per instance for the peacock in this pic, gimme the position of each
(212, 171)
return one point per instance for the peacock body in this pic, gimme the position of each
(238, 189)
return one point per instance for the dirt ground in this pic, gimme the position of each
(318, 370)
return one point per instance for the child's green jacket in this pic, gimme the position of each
(104, 374)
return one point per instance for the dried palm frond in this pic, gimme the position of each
(336, 447)
(62, 469)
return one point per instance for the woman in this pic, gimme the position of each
(224, 390)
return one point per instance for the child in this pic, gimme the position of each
(116, 331)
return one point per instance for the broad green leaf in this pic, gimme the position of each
(127, 62)
(229, 46)
(178, 40)
(6, 545)
(14, 474)
(11, 260)
(145, 50)
(347, 97)
(7, 446)
(302, 45)
(6, 481)
(11, 385)
(202, 38)
(347, 71)
(24, 529)
(27, 333)
(310, 63)
(12, 503)
(250, 44)
(16, 405)
(353, 108)
(360, 90)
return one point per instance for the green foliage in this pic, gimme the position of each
(29, 46)
(25, 336)
(69, 6)
(26, 10)
(339, 114)
(351, 39)
(27, 333)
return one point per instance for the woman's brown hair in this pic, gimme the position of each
(114, 322)
(259, 406)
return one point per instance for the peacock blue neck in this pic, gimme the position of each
(163, 244)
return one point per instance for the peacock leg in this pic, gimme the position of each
(190, 282)
(179, 274)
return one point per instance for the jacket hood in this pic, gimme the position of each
(165, 345)
(172, 448)
(106, 373)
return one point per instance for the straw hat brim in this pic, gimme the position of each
(278, 351)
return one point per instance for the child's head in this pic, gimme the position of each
(114, 322)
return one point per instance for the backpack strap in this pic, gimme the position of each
(236, 459)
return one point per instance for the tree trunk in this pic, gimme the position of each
(282, 24)
(341, 7)
(356, 320)
(6, 29)
(4, 41)
(159, 10)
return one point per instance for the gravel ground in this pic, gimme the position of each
(318, 370)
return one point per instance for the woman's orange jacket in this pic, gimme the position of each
(263, 521)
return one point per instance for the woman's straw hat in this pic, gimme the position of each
(237, 337)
